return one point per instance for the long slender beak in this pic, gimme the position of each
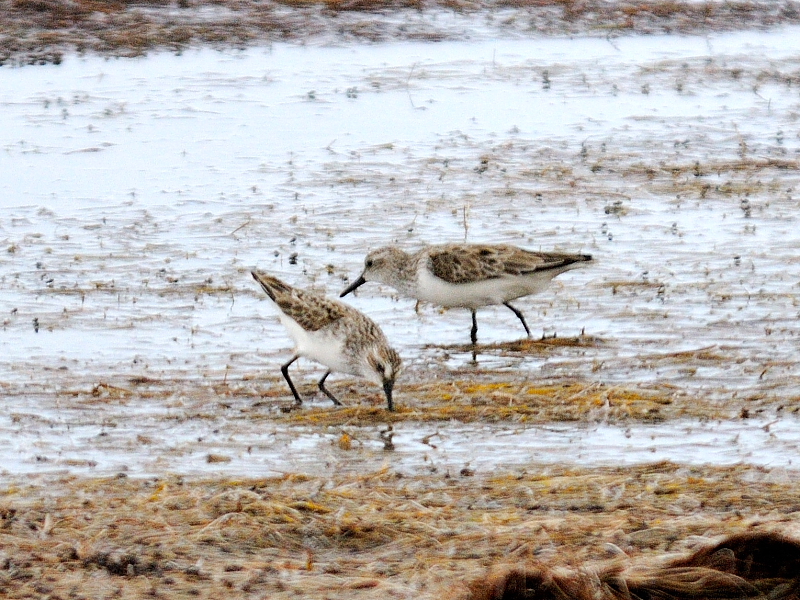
(387, 387)
(357, 283)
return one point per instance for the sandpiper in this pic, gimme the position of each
(466, 275)
(334, 334)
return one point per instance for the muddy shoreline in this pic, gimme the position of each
(43, 31)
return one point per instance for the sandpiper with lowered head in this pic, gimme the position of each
(466, 275)
(334, 334)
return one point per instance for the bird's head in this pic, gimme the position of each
(380, 265)
(382, 366)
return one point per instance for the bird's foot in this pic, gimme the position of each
(290, 407)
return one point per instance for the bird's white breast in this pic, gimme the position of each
(319, 345)
(479, 293)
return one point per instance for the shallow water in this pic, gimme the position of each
(139, 439)
(137, 194)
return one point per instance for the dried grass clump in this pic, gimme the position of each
(747, 565)
(379, 534)
(495, 399)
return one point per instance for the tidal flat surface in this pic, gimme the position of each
(137, 194)
(145, 449)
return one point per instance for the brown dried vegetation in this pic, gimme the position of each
(748, 565)
(367, 535)
(41, 31)
(491, 400)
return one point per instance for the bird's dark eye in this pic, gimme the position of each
(369, 262)
(381, 369)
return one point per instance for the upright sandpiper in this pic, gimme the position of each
(334, 334)
(466, 275)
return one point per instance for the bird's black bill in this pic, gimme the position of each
(357, 283)
(387, 387)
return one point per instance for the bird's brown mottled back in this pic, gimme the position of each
(457, 263)
(311, 311)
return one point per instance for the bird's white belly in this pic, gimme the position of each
(479, 293)
(320, 346)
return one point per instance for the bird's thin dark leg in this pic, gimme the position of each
(285, 371)
(519, 316)
(325, 391)
(473, 334)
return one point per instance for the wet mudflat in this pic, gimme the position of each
(144, 446)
